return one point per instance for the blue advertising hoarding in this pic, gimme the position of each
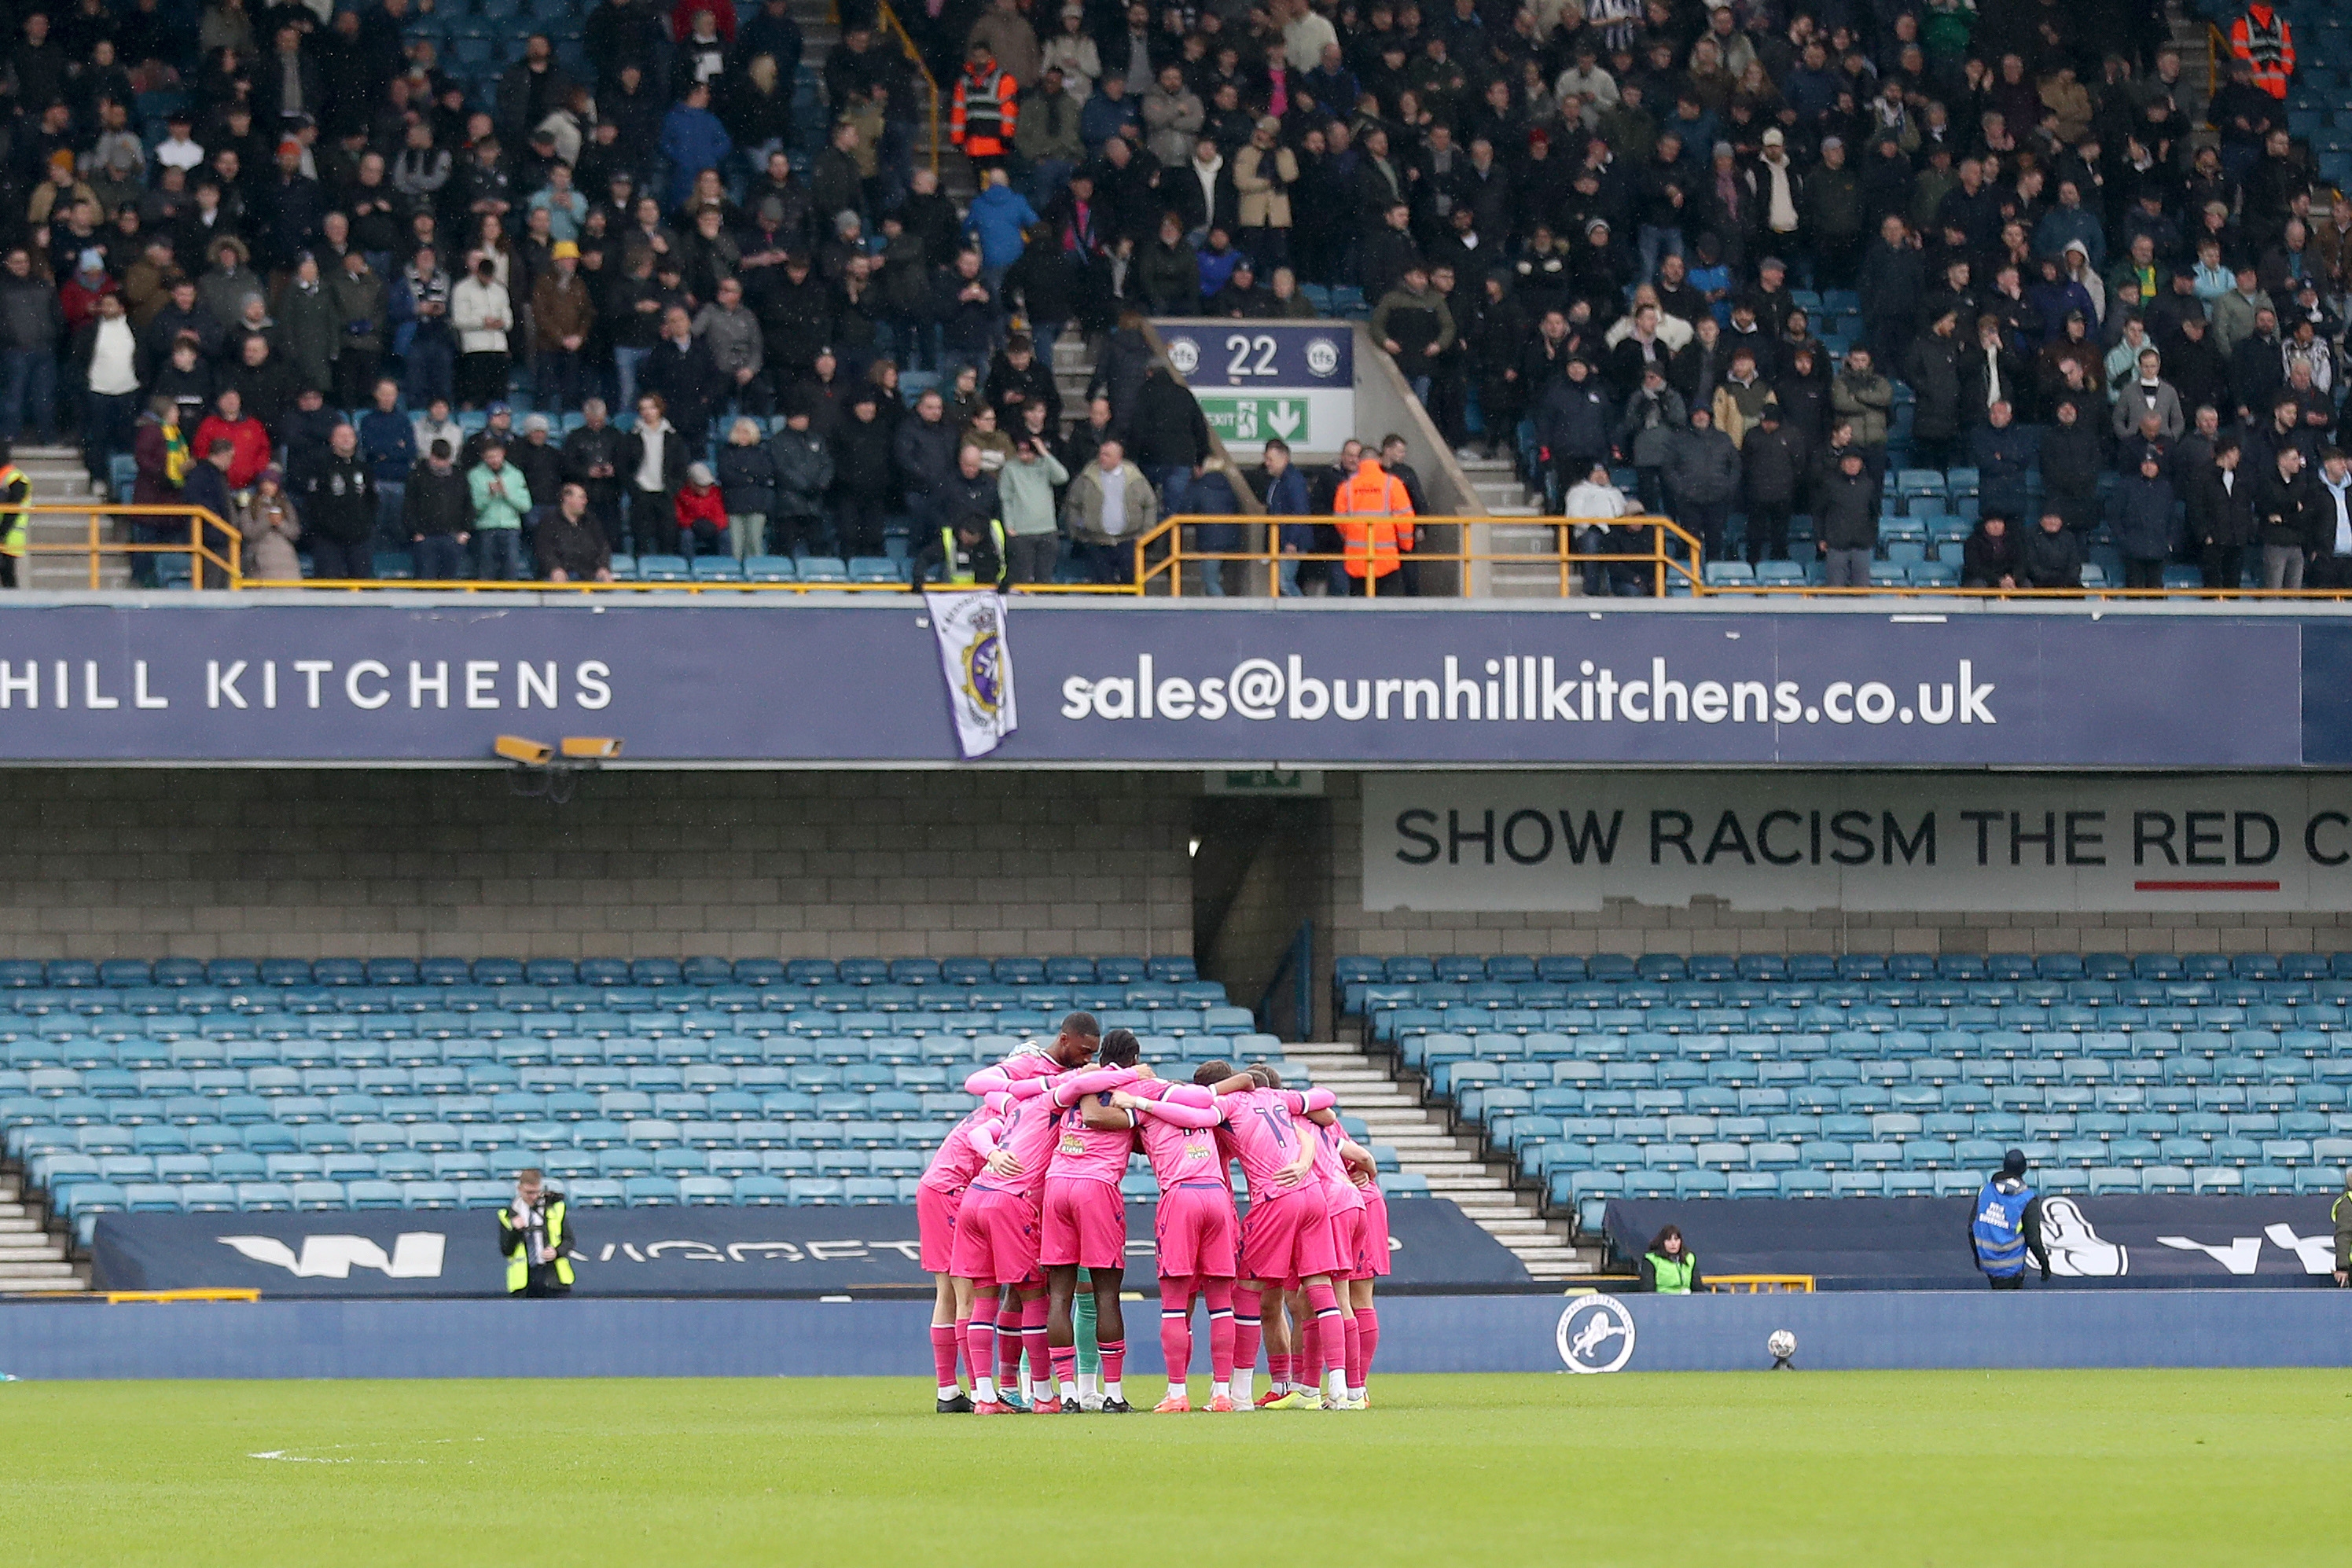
(671, 1251)
(298, 680)
(2145, 1240)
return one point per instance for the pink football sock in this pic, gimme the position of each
(1330, 1347)
(1355, 1341)
(1220, 1294)
(1033, 1336)
(1245, 1329)
(980, 1337)
(1368, 1329)
(943, 1353)
(1175, 1330)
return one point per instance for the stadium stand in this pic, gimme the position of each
(2145, 83)
(1716, 1077)
(236, 1086)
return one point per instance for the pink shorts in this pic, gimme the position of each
(1347, 1242)
(995, 1238)
(935, 1225)
(1196, 1232)
(1376, 1232)
(1085, 1224)
(1287, 1238)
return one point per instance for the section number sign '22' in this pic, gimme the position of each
(1257, 381)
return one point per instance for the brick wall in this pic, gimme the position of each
(307, 863)
(1623, 925)
(347, 863)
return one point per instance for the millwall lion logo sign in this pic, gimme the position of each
(1595, 1335)
(976, 658)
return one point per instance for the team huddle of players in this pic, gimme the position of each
(1024, 1194)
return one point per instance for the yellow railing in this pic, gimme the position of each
(204, 1294)
(1162, 553)
(897, 29)
(1908, 591)
(701, 586)
(1760, 1284)
(205, 560)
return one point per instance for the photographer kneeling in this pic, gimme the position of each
(536, 1236)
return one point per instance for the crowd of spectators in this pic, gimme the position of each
(1746, 250)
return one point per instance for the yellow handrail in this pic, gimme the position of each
(694, 586)
(1667, 567)
(897, 29)
(198, 1293)
(1760, 1284)
(199, 521)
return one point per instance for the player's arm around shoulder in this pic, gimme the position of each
(1098, 1112)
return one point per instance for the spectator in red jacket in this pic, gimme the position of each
(702, 514)
(243, 434)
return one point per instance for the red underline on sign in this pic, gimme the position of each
(2205, 887)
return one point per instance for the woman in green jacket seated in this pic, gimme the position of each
(1669, 1268)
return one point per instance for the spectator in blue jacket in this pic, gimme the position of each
(388, 443)
(693, 140)
(998, 218)
(2141, 515)
(2070, 220)
(1283, 490)
(2004, 452)
(1110, 111)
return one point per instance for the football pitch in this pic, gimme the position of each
(2138, 1468)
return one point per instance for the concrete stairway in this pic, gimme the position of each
(1073, 359)
(57, 476)
(1498, 482)
(1393, 1114)
(31, 1257)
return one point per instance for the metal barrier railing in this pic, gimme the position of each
(691, 586)
(897, 30)
(1760, 1284)
(204, 559)
(1162, 552)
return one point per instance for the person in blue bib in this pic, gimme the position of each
(2005, 1228)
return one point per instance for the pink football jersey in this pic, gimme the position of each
(1266, 1139)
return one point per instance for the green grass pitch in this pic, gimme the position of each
(2049, 1469)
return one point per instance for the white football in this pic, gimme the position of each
(1783, 1344)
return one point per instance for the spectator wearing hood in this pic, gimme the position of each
(702, 513)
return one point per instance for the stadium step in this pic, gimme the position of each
(1496, 480)
(1394, 1117)
(820, 23)
(31, 1258)
(57, 476)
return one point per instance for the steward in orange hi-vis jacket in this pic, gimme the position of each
(1374, 517)
(986, 113)
(2262, 39)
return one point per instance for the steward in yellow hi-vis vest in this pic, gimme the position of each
(536, 1236)
(16, 489)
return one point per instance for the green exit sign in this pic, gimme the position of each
(1263, 782)
(1257, 419)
